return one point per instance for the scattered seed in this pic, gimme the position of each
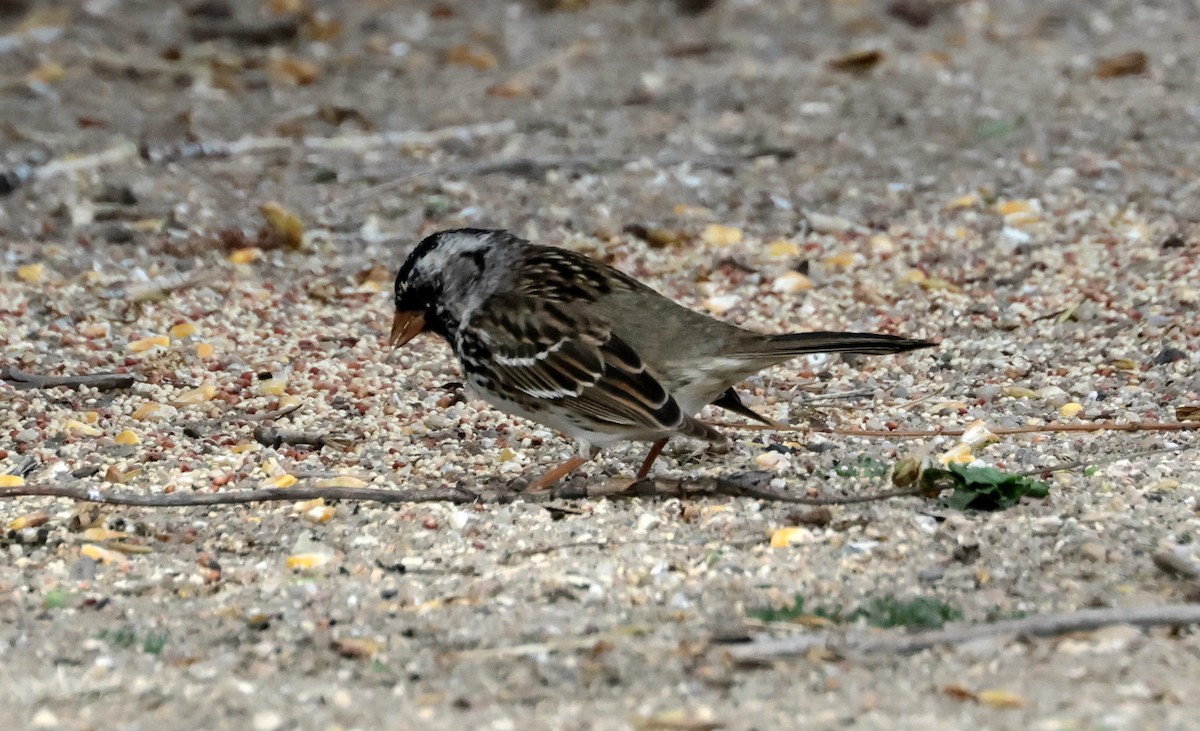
(31, 273)
(145, 344)
(719, 235)
(127, 437)
(284, 480)
(183, 330)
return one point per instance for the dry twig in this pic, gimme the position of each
(238, 497)
(1046, 625)
(100, 381)
(744, 485)
(1051, 428)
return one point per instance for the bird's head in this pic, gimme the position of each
(445, 276)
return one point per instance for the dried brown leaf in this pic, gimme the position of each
(858, 62)
(289, 70)
(480, 59)
(322, 29)
(337, 115)
(515, 88)
(959, 692)
(355, 648)
(1125, 64)
(285, 226)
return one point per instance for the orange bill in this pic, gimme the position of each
(405, 327)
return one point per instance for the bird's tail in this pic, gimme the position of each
(793, 344)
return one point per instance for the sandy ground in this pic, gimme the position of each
(993, 179)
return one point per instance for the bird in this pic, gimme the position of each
(564, 340)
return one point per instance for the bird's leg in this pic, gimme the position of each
(655, 450)
(562, 470)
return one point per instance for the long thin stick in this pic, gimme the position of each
(867, 643)
(101, 381)
(235, 497)
(1051, 428)
(704, 487)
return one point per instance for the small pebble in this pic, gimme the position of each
(267, 721)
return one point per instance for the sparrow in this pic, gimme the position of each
(569, 342)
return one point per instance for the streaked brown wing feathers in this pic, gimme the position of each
(556, 350)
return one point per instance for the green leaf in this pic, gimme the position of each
(120, 637)
(982, 488)
(918, 613)
(57, 598)
(996, 128)
(154, 642)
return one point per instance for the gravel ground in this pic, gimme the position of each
(1005, 177)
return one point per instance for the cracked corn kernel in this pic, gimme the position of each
(1013, 207)
(341, 481)
(78, 427)
(148, 410)
(716, 234)
(12, 481)
(773, 461)
(791, 536)
(999, 698)
(977, 433)
(183, 330)
(94, 329)
(272, 386)
(842, 259)
(687, 211)
(204, 350)
(1019, 213)
(102, 534)
(284, 480)
(721, 303)
(127, 437)
(288, 401)
(1070, 410)
(154, 341)
(320, 514)
(32, 520)
(965, 201)
(1018, 392)
(31, 273)
(245, 256)
(791, 283)
(783, 249)
(961, 454)
(197, 395)
(103, 555)
(307, 560)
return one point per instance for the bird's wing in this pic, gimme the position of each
(554, 349)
